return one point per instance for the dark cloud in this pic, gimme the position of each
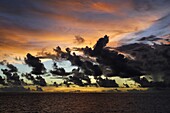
(18, 58)
(118, 63)
(39, 88)
(75, 60)
(115, 62)
(102, 60)
(2, 81)
(59, 71)
(60, 53)
(19, 18)
(45, 54)
(154, 60)
(82, 76)
(12, 68)
(150, 38)
(38, 67)
(107, 83)
(88, 67)
(106, 59)
(149, 60)
(101, 43)
(142, 81)
(79, 40)
(145, 83)
(154, 40)
(12, 78)
(75, 77)
(76, 80)
(126, 85)
(38, 80)
(55, 84)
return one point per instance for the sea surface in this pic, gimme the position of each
(84, 103)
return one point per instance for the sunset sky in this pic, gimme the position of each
(33, 25)
(39, 26)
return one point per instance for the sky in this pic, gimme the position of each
(30, 26)
(39, 26)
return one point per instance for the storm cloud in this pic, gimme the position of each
(154, 59)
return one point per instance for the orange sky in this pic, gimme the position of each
(30, 26)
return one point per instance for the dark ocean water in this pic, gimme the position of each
(85, 102)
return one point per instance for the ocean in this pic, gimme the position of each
(84, 103)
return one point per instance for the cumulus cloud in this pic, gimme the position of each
(38, 67)
(98, 61)
(115, 62)
(149, 60)
(12, 77)
(153, 59)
